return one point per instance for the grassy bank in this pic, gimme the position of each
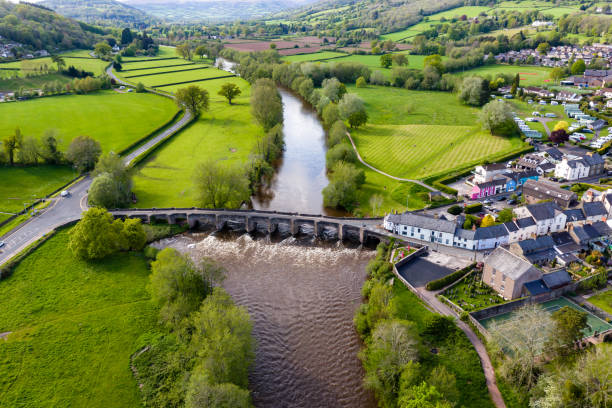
(74, 326)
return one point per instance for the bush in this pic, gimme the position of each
(448, 279)
(455, 210)
(340, 152)
(439, 326)
(140, 88)
(473, 208)
(150, 252)
(337, 133)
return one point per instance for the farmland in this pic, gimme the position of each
(23, 185)
(115, 120)
(317, 56)
(80, 59)
(530, 75)
(74, 326)
(410, 136)
(160, 78)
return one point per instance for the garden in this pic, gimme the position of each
(603, 300)
(472, 293)
(402, 252)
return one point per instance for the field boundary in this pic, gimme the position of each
(165, 66)
(151, 59)
(195, 80)
(151, 134)
(166, 72)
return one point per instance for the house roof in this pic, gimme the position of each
(512, 266)
(496, 182)
(561, 238)
(554, 153)
(525, 222)
(423, 221)
(593, 159)
(608, 198)
(556, 279)
(574, 215)
(494, 166)
(568, 248)
(594, 209)
(536, 287)
(543, 211)
(602, 228)
(546, 167)
(530, 246)
(494, 231)
(463, 233)
(547, 189)
(586, 233)
(511, 226)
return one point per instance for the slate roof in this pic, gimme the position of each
(574, 215)
(536, 287)
(494, 231)
(463, 233)
(568, 258)
(561, 238)
(593, 159)
(496, 182)
(586, 233)
(548, 189)
(554, 153)
(511, 226)
(423, 221)
(546, 167)
(543, 211)
(594, 209)
(602, 228)
(511, 265)
(525, 222)
(530, 246)
(556, 279)
(494, 166)
(608, 198)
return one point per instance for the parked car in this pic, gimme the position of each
(65, 193)
(542, 102)
(531, 119)
(487, 202)
(502, 198)
(511, 202)
(1, 244)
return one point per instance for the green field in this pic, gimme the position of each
(225, 133)
(530, 75)
(74, 326)
(182, 76)
(164, 52)
(317, 56)
(152, 63)
(163, 68)
(23, 185)
(115, 120)
(84, 61)
(11, 83)
(373, 62)
(603, 301)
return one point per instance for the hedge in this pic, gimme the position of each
(473, 208)
(152, 133)
(167, 72)
(448, 279)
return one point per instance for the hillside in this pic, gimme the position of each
(198, 11)
(36, 28)
(102, 12)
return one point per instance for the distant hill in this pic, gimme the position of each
(37, 28)
(206, 11)
(102, 12)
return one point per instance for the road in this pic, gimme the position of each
(419, 182)
(67, 209)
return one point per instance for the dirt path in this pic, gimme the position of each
(485, 361)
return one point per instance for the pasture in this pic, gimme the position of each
(373, 61)
(162, 77)
(317, 56)
(529, 75)
(226, 133)
(74, 326)
(79, 58)
(115, 120)
(23, 185)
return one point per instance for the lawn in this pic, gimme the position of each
(23, 185)
(409, 135)
(225, 133)
(74, 326)
(603, 301)
(317, 56)
(472, 294)
(455, 353)
(530, 75)
(115, 120)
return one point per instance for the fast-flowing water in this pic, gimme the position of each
(301, 299)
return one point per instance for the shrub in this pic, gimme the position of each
(473, 208)
(448, 279)
(455, 210)
(337, 133)
(439, 326)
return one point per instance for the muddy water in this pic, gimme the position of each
(301, 299)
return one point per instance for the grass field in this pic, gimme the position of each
(152, 63)
(115, 120)
(23, 185)
(603, 301)
(373, 62)
(225, 133)
(74, 326)
(183, 76)
(455, 353)
(164, 52)
(163, 68)
(317, 56)
(82, 61)
(530, 76)
(11, 84)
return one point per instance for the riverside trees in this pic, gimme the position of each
(193, 98)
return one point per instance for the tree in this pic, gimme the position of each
(361, 82)
(531, 328)
(11, 144)
(559, 136)
(543, 48)
(266, 104)
(202, 393)
(330, 115)
(376, 201)
(434, 61)
(357, 119)
(474, 91)
(185, 51)
(220, 186)
(193, 98)
(333, 89)
(48, 147)
(505, 215)
(133, 234)
(200, 51)
(103, 192)
(177, 285)
(569, 325)
(400, 60)
(516, 83)
(445, 382)
(455, 210)
(83, 152)
(96, 236)
(337, 133)
(578, 67)
(422, 396)
(229, 91)
(340, 152)
(556, 74)
(112, 184)
(102, 49)
(59, 61)
(345, 180)
(349, 104)
(126, 36)
(386, 60)
(487, 221)
(140, 88)
(497, 119)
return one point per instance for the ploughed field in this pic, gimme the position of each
(413, 134)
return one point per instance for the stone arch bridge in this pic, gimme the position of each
(362, 230)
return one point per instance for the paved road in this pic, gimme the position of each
(419, 182)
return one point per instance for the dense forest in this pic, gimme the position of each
(39, 28)
(102, 12)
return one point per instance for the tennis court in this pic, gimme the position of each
(594, 323)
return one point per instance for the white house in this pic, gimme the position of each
(547, 216)
(528, 228)
(572, 169)
(488, 172)
(422, 227)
